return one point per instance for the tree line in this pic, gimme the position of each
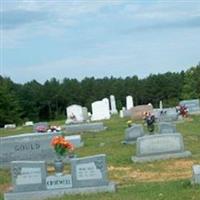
(35, 101)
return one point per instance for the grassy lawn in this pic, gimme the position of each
(159, 180)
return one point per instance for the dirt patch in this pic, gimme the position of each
(174, 170)
(5, 187)
(180, 164)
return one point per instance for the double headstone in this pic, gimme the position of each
(30, 146)
(132, 133)
(30, 180)
(160, 147)
(166, 127)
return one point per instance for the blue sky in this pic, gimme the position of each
(41, 39)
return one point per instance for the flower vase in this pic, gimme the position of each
(59, 167)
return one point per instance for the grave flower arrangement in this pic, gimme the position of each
(61, 145)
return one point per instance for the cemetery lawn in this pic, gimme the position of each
(159, 180)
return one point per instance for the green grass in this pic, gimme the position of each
(159, 180)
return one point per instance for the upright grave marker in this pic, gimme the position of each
(113, 105)
(129, 102)
(100, 110)
(166, 127)
(28, 175)
(192, 105)
(160, 147)
(132, 133)
(89, 171)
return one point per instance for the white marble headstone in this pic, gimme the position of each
(129, 102)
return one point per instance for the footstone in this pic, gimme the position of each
(196, 174)
(89, 171)
(160, 147)
(132, 133)
(166, 127)
(85, 127)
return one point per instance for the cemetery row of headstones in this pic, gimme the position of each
(167, 143)
(31, 180)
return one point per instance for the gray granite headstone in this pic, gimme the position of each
(28, 175)
(132, 133)
(89, 171)
(32, 146)
(192, 105)
(75, 140)
(85, 127)
(196, 174)
(166, 127)
(168, 115)
(160, 147)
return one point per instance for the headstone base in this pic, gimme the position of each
(39, 195)
(149, 158)
(85, 127)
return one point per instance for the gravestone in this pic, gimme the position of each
(195, 174)
(132, 133)
(113, 105)
(75, 114)
(166, 127)
(85, 127)
(89, 175)
(10, 126)
(160, 105)
(107, 107)
(160, 147)
(30, 146)
(192, 105)
(28, 175)
(85, 114)
(75, 140)
(29, 123)
(129, 102)
(168, 115)
(89, 171)
(100, 110)
(40, 127)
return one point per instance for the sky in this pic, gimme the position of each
(41, 39)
